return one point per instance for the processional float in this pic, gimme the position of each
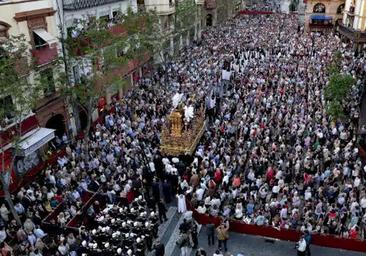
(183, 130)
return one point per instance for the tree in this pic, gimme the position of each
(94, 46)
(16, 71)
(338, 89)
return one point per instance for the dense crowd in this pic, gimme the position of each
(270, 154)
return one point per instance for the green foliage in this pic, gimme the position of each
(336, 65)
(18, 80)
(335, 110)
(185, 14)
(16, 71)
(338, 89)
(156, 38)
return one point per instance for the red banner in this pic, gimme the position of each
(284, 234)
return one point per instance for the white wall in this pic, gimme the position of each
(70, 16)
(160, 6)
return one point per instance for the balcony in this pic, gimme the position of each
(44, 55)
(121, 71)
(166, 8)
(210, 4)
(320, 26)
(351, 11)
(74, 5)
(356, 36)
(82, 43)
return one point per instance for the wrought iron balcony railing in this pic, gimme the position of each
(352, 34)
(73, 5)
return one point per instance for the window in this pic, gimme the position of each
(4, 27)
(340, 9)
(319, 8)
(38, 41)
(116, 14)
(2, 53)
(75, 70)
(69, 32)
(105, 18)
(7, 109)
(48, 81)
(121, 52)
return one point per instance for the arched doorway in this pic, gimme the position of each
(83, 120)
(340, 9)
(57, 122)
(319, 8)
(209, 20)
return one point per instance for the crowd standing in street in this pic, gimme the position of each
(270, 155)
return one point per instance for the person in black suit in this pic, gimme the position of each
(159, 248)
(162, 211)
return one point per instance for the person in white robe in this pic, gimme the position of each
(182, 207)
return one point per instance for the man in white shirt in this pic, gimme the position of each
(301, 247)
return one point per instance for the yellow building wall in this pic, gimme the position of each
(331, 7)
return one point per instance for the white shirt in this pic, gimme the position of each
(301, 245)
(200, 193)
(283, 213)
(363, 202)
(275, 189)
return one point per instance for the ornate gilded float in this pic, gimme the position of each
(180, 138)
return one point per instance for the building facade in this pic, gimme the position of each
(323, 15)
(36, 21)
(214, 12)
(353, 25)
(207, 13)
(73, 11)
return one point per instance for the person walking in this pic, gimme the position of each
(162, 211)
(301, 247)
(194, 235)
(184, 244)
(159, 248)
(308, 240)
(223, 235)
(210, 231)
(201, 252)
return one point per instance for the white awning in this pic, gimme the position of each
(50, 39)
(36, 140)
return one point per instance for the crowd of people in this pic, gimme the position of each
(270, 154)
(188, 236)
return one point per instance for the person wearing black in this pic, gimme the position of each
(194, 235)
(159, 248)
(185, 226)
(210, 231)
(308, 239)
(167, 192)
(201, 252)
(162, 211)
(156, 190)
